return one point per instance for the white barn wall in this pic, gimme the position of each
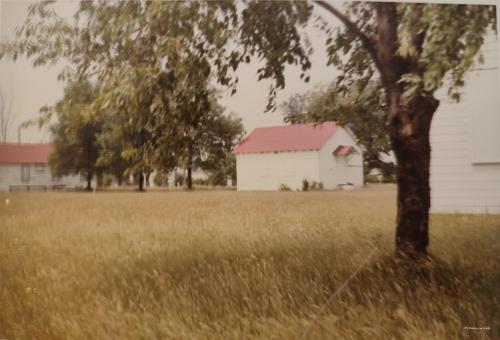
(330, 166)
(465, 140)
(267, 171)
(10, 174)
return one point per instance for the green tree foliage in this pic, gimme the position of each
(223, 135)
(106, 36)
(167, 38)
(162, 86)
(132, 128)
(75, 133)
(154, 75)
(224, 132)
(204, 142)
(112, 142)
(225, 169)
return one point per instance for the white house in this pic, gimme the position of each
(465, 140)
(272, 156)
(25, 166)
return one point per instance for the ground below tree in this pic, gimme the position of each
(228, 265)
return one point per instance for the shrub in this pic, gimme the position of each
(389, 179)
(284, 187)
(371, 178)
(160, 179)
(217, 178)
(305, 185)
(316, 185)
(202, 181)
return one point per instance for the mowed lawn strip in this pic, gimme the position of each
(227, 265)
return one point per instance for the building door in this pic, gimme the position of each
(25, 173)
(340, 170)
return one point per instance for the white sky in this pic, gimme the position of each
(31, 88)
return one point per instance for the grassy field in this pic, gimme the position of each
(228, 265)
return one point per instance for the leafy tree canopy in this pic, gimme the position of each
(431, 40)
(75, 133)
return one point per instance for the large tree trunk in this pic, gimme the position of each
(409, 126)
(89, 181)
(140, 181)
(190, 167)
(409, 129)
(189, 179)
(409, 122)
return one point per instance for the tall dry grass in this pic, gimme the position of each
(227, 265)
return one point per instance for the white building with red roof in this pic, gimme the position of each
(271, 157)
(25, 167)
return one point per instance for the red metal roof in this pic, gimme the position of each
(343, 150)
(298, 137)
(24, 153)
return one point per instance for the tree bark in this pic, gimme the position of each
(99, 180)
(189, 179)
(409, 129)
(89, 181)
(140, 181)
(190, 167)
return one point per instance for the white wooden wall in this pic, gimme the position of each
(267, 171)
(10, 174)
(465, 139)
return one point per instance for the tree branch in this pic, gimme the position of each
(366, 41)
(5, 116)
(391, 66)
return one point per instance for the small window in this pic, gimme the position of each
(25, 172)
(40, 168)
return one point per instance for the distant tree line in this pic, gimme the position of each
(111, 142)
(139, 90)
